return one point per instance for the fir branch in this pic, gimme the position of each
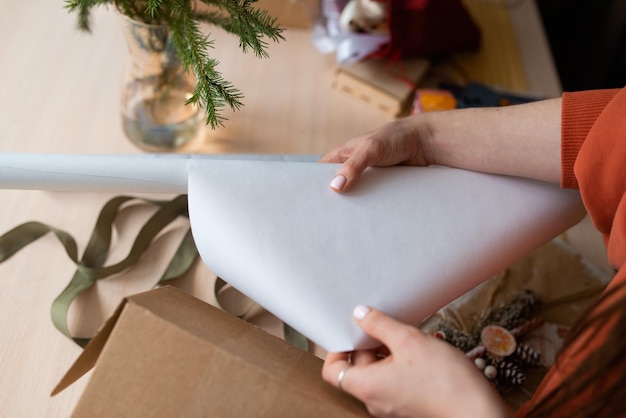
(83, 9)
(212, 91)
(250, 24)
(153, 6)
(137, 10)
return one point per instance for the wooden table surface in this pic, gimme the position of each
(59, 93)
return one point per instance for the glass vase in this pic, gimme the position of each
(155, 88)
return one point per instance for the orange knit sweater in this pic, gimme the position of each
(593, 156)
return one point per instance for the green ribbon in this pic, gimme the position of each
(91, 265)
(291, 335)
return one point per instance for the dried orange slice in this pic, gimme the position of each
(498, 340)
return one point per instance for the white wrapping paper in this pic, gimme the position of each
(141, 173)
(406, 240)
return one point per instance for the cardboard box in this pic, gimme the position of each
(167, 354)
(298, 14)
(387, 86)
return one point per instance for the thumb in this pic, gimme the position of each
(392, 333)
(348, 173)
(352, 168)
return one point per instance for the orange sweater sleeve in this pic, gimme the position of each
(599, 166)
(593, 156)
(579, 113)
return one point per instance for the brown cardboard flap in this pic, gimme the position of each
(87, 359)
(165, 353)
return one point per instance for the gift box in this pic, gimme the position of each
(298, 14)
(389, 86)
(164, 353)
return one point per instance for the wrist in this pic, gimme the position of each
(499, 410)
(493, 406)
(426, 132)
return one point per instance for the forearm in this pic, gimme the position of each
(521, 140)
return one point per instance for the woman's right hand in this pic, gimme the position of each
(520, 140)
(399, 142)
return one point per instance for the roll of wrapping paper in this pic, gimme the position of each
(407, 240)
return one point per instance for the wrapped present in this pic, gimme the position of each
(299, 14)
(387, 85)
(538, 298)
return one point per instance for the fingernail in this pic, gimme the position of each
(338, 182)
(360, 312)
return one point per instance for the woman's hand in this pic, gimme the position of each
(398, 142)
(417, 376)
(522, 140)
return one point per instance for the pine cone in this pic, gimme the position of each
(512, 313)
(509, 376)
(492, 358)
(456, 337)
(525, 355)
